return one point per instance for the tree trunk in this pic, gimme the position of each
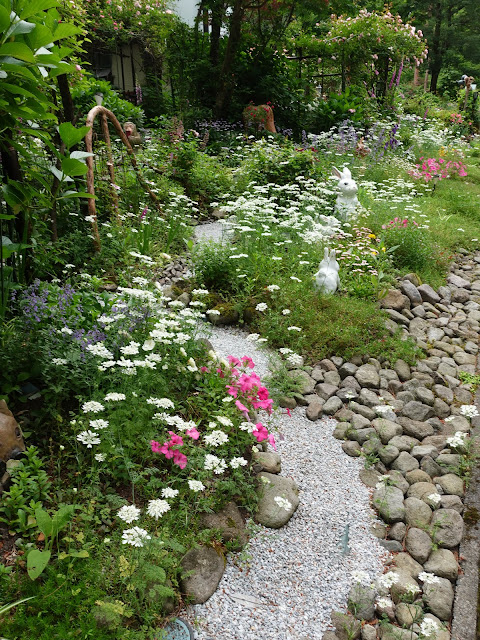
(225, 84)
(216, 25)
(436, 47)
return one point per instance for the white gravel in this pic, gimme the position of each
(211, 232)
(296, 575)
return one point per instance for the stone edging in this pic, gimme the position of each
(408, 444)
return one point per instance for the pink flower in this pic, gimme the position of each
(260, 433)
(155, 446)
(234, 361)
(248, 361)
(271, 440)
(241, 407)
(180, 459)
(193, 433)
(175, 439)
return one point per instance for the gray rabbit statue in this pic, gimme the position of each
(347, 201)
(327, 279)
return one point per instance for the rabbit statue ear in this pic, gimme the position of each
(325, 254)
(336, 172)
(333, 255)
(346, 173)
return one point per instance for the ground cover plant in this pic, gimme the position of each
(134, 428)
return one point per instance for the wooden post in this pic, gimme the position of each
(111, 170)
(416, 77)
(425, 82)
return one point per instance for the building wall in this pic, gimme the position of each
(126, 81)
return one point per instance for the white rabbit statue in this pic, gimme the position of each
(327, 279)
(347, 200)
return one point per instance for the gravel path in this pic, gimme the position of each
(296, 575)
(211, 231)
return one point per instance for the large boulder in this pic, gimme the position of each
(306, 384)
(388, 501)
(230, 523)
(442, 563)
(417, 512)
(386, 429)
(271, 511)
(418, 544)
(367, 376)
(447, 525)
(438, 597)
(451, 484)
(202, 569)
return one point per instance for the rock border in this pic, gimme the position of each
(399, 417)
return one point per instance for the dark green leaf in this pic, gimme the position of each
(72, 167)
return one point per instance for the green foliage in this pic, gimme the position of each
(84, 90)
(410, 246)
(30, 488)
(348, 105)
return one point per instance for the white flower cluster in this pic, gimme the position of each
(88, 438)
(92, 407)
(457, 441)
(384, 408)
(429, 628)
(469, 410)
(283, 503)
(215, 438)
(361, 577)
(161, 403)
(387, 580)
(100, 350)
(212, 463)
(115, 397)
(238, 462)
(428, 578)
(135, 537)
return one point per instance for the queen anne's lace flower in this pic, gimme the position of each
(156, 508)
(88, 438)
(135, 537)
(129, 513)
(99, 424)
(196, 485)
(92, 407)
(115, 397)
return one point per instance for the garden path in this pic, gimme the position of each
(297, 575)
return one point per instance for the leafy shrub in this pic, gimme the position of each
(337, 108)
(408, 244)
(215, 269)
(83, 93)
